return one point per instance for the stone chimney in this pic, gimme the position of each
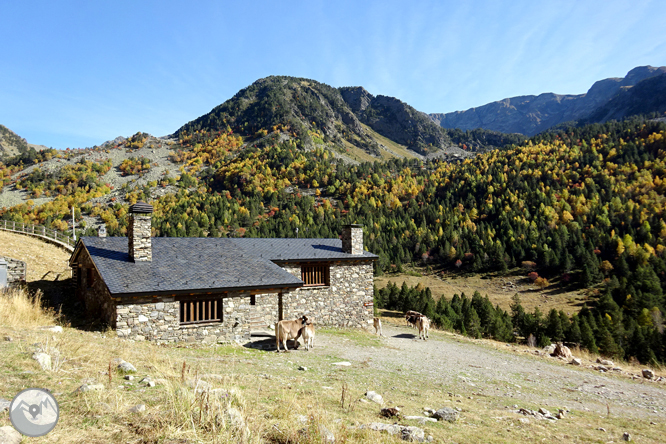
(101, 232)
(138, 233)
(352, 239)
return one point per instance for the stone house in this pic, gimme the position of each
(220, 289)
(12, 272)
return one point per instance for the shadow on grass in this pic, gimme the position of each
(59, 295)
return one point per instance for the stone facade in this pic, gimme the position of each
(138, 237)
(346, 302)
(157, 319)
(352, 239)
(16, 271)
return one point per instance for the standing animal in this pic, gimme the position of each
(423, 324)
(378, 326)
(285, 330)
(308, 333)
(411, 317)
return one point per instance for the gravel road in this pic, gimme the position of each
(468, 366)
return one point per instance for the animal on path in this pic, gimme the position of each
(411, 317)
(285, 330)
(423, 324)
(378, 326)
(308, 333)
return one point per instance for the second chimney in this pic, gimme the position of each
(352, 239)
(139, 234)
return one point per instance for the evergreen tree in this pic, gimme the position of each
(587, 336)
(574, 335)
(473, 324)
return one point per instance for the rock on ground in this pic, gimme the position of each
(648, 374)
(126, 367)
(562, 351)
(44, 360)
(138, 408)
(374, 397)
(406, 433)
(446, 414)
(9, 436)
(89, 387)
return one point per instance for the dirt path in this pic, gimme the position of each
(476, 369)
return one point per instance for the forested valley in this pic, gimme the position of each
(577, 207)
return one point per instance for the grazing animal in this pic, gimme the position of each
(423, 324)
(285, 330)
(411, 317)
(308, 333)
(378, 326)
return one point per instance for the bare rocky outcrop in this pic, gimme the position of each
(530, 115)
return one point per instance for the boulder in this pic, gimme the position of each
(446, 414)
(8, 435)
(412, 434)
(89, 387)
(421, 419)
(549, 349)
(374, 397)
(648, 374)
(138, 408)
(562, 351)
(626, 436)
(53, 329)
(4, 404)
(407, 433)
(326, 435)
(126, 367)
(44, 360)
(605, 362)
(576, 361)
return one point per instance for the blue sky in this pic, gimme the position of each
(78, 73)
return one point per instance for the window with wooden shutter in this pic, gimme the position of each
(198, 311)
(315, 275)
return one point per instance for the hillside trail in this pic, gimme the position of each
(471, 368)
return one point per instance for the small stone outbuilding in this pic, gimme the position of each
(220, 289)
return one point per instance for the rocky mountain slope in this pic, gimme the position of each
(11, 144)
(530, 115)
(314, 112)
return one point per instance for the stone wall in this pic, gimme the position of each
(94, 294)
(346, 302)
(157, 319)
(16, 271)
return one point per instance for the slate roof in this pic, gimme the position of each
(183, 265)
(286, 250)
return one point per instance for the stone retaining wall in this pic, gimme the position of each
(16, 271)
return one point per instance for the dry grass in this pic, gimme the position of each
(20, 309)
(40, 256)
(531, 297)
(256, 397)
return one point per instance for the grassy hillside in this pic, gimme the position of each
(228, 393)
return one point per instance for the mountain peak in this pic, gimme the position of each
(530, 115)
